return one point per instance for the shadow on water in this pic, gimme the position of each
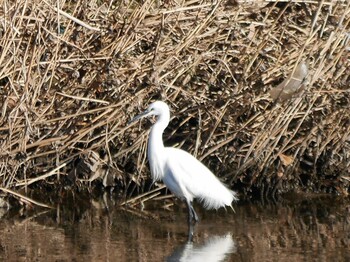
(95, 229)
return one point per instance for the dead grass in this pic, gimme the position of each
(73, 74)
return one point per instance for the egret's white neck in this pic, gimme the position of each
(156, 156)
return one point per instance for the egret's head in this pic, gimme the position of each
(158, 108)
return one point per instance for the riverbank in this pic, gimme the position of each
(258, 91)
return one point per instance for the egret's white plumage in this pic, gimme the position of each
(188, 178)
(183, 174)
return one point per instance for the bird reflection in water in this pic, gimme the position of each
(215, 248)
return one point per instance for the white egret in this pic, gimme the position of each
(183, 174)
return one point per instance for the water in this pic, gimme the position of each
(296, 229)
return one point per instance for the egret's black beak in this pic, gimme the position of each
(144, 114)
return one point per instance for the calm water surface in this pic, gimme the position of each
(296, 229)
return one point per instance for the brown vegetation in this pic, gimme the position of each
(72, 74)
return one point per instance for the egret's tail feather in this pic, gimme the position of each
(215, 201)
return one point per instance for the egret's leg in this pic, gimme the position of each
(192, 215)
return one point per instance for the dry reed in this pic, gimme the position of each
(73, 73)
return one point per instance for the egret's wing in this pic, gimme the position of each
(196, 179)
